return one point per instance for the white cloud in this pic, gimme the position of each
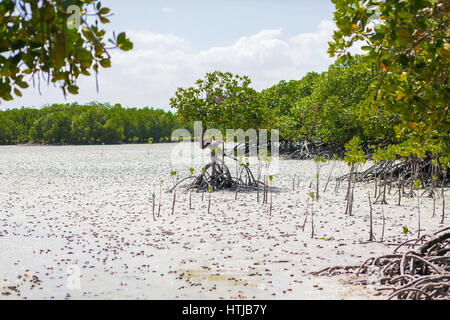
(159, 63)
(167, 10)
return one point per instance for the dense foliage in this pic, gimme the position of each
(408, 42)
(331, 107)
(220, 100)
(53, 41)
(85, 124)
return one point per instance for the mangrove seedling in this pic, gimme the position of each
(417, 185)
(191, 170)
(331, 172)
(270, 181)
(306, 214)
(203, 192)
(153, 209)
(160, 196)
(173, 174)
(267, 159)
(318, 161)
(384, 222)
(210, 189)
(311, 195)
(371, 236)
(445, 163)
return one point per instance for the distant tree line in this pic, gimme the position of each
(92, 123)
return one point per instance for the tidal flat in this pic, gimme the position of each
(76, 222)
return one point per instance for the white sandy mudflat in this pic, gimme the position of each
(90, 208)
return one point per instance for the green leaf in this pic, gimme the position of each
(72, 89)
(104, 11)
(105, 63)
(417, 184)
(104, 20)
(405, 229)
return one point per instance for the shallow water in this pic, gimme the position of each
(88, 210)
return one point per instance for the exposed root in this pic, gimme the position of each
(217, 176)
(412, 275)
(336, 270)
(302, 150)
(403, 174)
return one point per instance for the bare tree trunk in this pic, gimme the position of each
(443, 196)
(312, 219)
(434, 207)
(270, 210)
(382, 231)
(390, 181)
(352, 195)
(306, 215)
(173, 203)
(347, 209)
(433, 181)
(376, 185)
(371, 236)
(418, 211)
(329, 176)
(209, 203)
(317, 183)
(257, 193)
(159, 204)
(153, 209)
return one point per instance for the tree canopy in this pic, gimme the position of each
(220, 98)
(408, 43)
(330, 107)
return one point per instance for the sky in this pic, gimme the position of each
(177, 42)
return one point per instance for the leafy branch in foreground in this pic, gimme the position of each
(38, 39)
(409, 43)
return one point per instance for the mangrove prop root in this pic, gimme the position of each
(403, 174)
(217, 176)
(421, 272)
